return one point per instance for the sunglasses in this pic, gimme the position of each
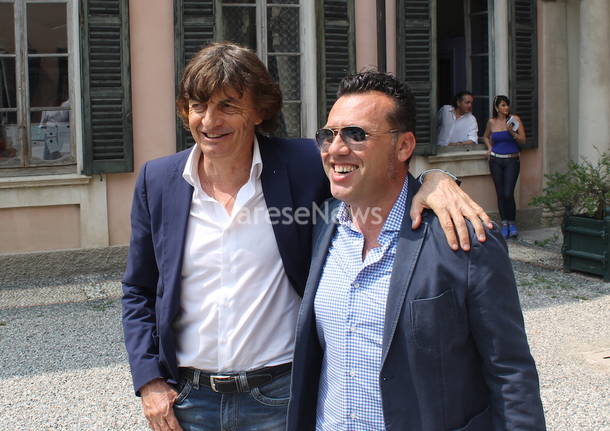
(353, 136)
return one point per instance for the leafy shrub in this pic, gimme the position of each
(583, 190)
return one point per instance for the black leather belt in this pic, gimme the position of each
(235, 382)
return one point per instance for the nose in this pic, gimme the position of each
(211, 118)
(338, 145)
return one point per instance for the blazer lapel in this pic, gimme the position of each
(177, 196)
(276, 190)
(407, 253)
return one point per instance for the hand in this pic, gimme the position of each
(450, 204)
(157, 402)
(488, 154)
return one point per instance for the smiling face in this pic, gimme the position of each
(224, 125)
(372, 176)
(503, 108)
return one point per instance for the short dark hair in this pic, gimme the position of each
(403, 117)
(458, 97)
(223, 66)
(497, 100)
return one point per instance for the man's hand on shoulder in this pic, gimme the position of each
(451, 204)
(157, 401)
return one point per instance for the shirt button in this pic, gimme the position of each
(352, 373)
(354, 416)
(356, 285)
(353, 328)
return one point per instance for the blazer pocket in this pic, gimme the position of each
(432, 320)
(480, 422)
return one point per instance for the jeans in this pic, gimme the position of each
(505, 173)
(264, 408)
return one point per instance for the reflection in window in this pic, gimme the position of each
(43, 137)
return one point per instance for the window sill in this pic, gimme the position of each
(466, 161)
(44, 181)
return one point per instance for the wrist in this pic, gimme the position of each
(423, 174)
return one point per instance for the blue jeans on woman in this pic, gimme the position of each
(505, 173)
(264, 408)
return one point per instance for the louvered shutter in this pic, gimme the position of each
(416, 64)
(336, 50)
(524, 66)
(106, 86)
(193, 28)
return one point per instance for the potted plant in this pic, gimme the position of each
(582, 196)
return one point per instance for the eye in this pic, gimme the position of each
(197, 107)
(229, 108)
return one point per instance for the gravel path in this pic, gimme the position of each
(64, 366)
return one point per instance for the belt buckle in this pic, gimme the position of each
(213, 380)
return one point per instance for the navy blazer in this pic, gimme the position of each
(292, 177)
(454, 354)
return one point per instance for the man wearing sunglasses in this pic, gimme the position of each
(214, 277)
(396, 331)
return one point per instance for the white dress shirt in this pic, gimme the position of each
(238, 309)
(452, 129)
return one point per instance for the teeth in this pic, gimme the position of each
(214, 136)
(344, 169)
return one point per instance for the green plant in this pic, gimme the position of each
(583, 190)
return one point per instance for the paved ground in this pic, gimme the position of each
(64, 366)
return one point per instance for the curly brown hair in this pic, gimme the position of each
(224, 66)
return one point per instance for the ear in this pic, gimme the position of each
(405, 146)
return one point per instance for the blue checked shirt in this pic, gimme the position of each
(350, 311)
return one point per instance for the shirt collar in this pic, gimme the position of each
(190, 172)
(394, 220)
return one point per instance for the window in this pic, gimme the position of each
(272, 29)
(444, 46)
(35, 103)
(307, 46)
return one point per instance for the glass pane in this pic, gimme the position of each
(480, 75)
(478, 6)
(478, 26)
(239, 25)
(290, 120)
(7, 29)
(480, 110)
(282, 2)
(8, 87)
(239, 1)
(10, 149)
(48, 81)
(286, 70)
(283, 32)
(50, 136)
(47, 28)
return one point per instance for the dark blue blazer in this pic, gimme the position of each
(455, 354)
(292, 178)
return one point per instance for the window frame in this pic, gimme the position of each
(24, 110)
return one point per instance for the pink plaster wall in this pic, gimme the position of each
(152, 90)
(39, 228)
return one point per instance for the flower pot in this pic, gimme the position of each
(586, 245)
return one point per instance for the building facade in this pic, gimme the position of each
(87, 90)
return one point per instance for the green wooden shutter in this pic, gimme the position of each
(336, 50)
(193, 28)
(106, 86)
(524, 66)
(416, 64)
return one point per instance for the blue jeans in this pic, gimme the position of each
(264, 408)
(505, 173)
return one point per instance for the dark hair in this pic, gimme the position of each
(223, 66)
(403, 117)
(458, 97)
(497, 100)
